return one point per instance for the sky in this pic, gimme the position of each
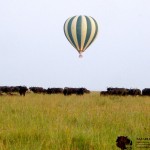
(35, 52)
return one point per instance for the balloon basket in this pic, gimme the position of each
(80, 56)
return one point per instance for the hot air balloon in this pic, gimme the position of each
(80, 32)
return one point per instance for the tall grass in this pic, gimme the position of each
(56, 122)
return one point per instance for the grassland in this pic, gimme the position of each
(56, 122)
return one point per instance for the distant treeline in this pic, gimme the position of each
(13, 90)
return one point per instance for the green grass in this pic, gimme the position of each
(56, 122)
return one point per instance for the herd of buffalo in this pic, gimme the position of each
(125, 92)
(12, 90)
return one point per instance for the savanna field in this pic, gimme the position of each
(58, 122)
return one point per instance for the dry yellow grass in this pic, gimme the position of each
(56, 122)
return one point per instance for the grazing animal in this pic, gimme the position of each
(10, 90)
(146, 92)
(77, 91)
(117, 91)
(37, 90)
(80, 91)
(5, 89)
(134, 92)
(22, 90)
(69, 91)
(104, 93)
(54, 91)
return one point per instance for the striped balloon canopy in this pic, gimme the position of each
(80, 32)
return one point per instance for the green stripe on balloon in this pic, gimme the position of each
(88, 30)
(94, 34)
(78, 30)
(69, 31)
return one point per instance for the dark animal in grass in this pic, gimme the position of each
(38, 90)
(134, 92)
(146, 92)
(105, 93)
(22, 90)
(77, 91)
(54, 91)
(123, 142)
(117, 91)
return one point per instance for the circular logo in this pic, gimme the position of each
(123, 142)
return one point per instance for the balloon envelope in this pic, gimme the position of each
(80, 32)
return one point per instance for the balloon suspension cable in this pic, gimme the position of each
(80, 55)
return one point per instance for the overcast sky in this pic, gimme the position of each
(35, 52)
